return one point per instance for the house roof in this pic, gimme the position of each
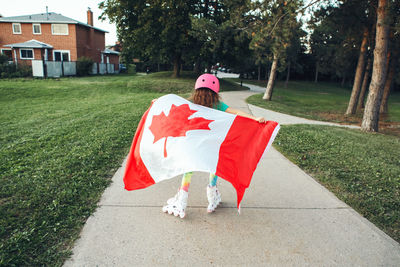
(109, 51)
(30, 44)
(49, 17)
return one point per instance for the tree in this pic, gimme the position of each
(355, 93)
(394, 45)
(203, 38)
(273, 31)
(292, 52)
(151, 29)
(326, 41)
(371, 112)
(364, 14)
(232, 46)
(336, 39)
(388, 83)
(365, 83)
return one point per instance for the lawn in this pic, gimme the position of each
(61, 141)
(323, 101)
(362, 169)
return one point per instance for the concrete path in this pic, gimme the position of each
(287, 219)
(280, 117)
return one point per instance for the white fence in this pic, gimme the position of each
(110, 68)
(69, 68)
(94, 69)
(55, 69)
(37, 68)
(102, 68)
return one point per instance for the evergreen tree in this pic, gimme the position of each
(333, 42)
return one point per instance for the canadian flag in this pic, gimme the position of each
(176, 136)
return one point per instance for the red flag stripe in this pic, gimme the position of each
(241, 151)
(136, 174)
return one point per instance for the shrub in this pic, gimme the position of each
(84, 66)
(24, 70)
(14, 71)
(131, 68)
(4, 59)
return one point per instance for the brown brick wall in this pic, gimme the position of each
(59, 42)
(114, 59)
(89, 42)
(37, 53)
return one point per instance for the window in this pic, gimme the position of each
(26, 53)
(59, 29)
(16, 28)
(36, 29)
(8, 53)
(61, 55)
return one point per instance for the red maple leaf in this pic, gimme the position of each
(176, 124)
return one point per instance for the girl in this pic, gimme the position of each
(205, 93)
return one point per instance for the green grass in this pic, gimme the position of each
(362, 169)
(61, 141)
(322, 101)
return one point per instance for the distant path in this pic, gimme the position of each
(227, 75)
(277, 116)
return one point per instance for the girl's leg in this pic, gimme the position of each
(186, 179)
(213, 179)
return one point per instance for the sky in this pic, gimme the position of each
(74, 9)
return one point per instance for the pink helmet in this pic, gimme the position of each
(207, 81)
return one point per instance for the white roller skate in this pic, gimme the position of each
(214, 198)
(177, 204)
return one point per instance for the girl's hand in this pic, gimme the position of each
(261, 120)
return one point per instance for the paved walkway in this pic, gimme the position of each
(287, 218)
(283, 118)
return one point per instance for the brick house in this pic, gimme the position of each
(53, 37)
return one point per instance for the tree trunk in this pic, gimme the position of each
(209, 68)
(259, 72)
(287, 75)
(197, 67)
(267, 71)
(177, 66)
(371, 113)
(316, 72)
(343, 80)
(271, 80)
(388, 83)
(158, 66)
(355, 93)
(364, 84)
